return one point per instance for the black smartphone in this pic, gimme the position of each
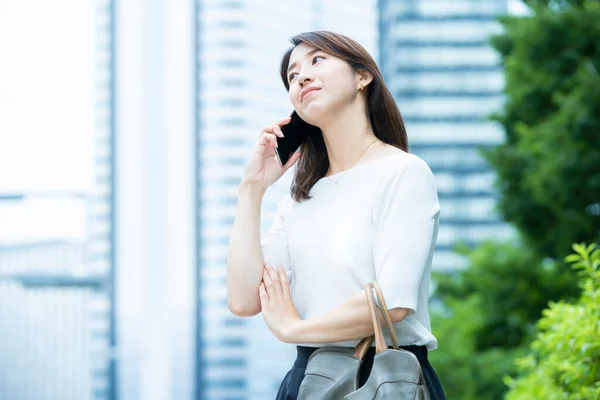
(295, 133)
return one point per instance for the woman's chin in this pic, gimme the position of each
(313, 113)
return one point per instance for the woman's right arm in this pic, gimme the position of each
(244, 255)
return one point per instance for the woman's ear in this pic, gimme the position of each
(364, 79)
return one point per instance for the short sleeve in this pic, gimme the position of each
(274, 242)
(405, 224)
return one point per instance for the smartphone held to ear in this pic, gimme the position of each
(295, 133)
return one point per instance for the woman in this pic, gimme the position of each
(361, 208)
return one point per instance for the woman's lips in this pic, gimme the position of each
(309, 92)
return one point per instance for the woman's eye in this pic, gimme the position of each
(291, 77)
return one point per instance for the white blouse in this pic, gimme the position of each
(380, 222)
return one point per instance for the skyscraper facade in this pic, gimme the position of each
(55, 281)
(446, 79)
(100, 247)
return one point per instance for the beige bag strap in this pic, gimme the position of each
(379, 339)
(361, 349)
(380, 304)
(379, 311)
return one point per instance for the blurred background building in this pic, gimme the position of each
(57, 330)
(446, 79)
(112, 282)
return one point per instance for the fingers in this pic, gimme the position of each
(283, 278)
(279, 280)
(272, 281)
(277, 130)
(267, 139)
(267, 284)
(284, 121)
(285, 283)
(273, 129)
(276, 127)
(269, 133)
(264, 297)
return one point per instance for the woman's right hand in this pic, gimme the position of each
(262, 168)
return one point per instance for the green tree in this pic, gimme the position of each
(564, 359)
(549, 167)
(489, 313)
(548, 179)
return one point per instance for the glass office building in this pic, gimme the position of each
(56, 313)
(446, 79)
(100, 247)
(46, 341)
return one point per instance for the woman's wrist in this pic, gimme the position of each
(293, 332)
(251, 190)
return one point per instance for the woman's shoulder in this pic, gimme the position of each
(403, 170)
(400, 160)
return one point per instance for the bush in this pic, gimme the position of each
(564, 359)
(488, 315)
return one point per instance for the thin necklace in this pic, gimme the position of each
(361, 154)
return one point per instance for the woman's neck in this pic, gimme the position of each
(346, 138)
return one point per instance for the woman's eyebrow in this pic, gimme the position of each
(292, 65)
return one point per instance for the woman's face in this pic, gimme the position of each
(335, 82)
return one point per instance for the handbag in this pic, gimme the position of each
(332, 373)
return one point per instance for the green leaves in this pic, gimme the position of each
(548, 171)
(490, 313)
(564, 358)
(548, 179)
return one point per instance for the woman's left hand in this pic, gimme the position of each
(276, 302)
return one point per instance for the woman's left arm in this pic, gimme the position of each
(405, 224)
(349, 321)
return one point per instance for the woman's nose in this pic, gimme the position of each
(304, 78)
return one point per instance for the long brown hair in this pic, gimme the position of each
(383, 112)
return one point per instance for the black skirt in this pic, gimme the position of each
(291, 383)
